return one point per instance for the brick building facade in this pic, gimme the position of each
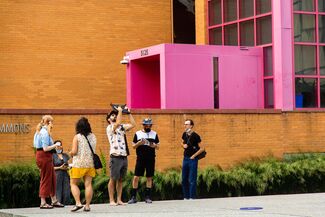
(62, 58)
(66, 54)
(230, 136)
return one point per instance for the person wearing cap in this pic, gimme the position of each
(61, 167)
(145, 142)
(191, 145)
(118, 153)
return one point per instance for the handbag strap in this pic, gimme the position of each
(89, 145)
(188, 139)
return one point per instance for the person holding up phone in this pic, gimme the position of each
(145, 142)
(118, 162)
(61, 166)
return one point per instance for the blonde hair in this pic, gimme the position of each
(46, 119)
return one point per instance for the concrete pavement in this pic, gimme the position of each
(295, 205)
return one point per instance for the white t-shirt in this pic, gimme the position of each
(116, 139)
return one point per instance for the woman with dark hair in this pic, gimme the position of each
(82, 163)
(61, 166)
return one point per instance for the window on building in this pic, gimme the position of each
(247, 28)
(247, 33)
(309, 53)
(214, 12)
(215, 36)
(231, 35)
(268, 93)
(322, 60)
(321, 28)
(264, 30)
(305, 60)
(322, 93)
(246, 8)
(303, 5)
(230, 10)
(306, 89)
(268, 61)
(216, 81)
(304, 28)
(263, 6)
(184, 21)
(321, 5)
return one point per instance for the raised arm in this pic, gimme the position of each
(132, 122)
(118, 119)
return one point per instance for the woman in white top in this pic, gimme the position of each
(82, 163)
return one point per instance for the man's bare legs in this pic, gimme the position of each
(111, 192)
(119, 188)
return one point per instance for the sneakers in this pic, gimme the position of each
(132, 200)
(147, 193)
(148, 200)
(147, 197)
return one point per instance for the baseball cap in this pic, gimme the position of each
(147, 121)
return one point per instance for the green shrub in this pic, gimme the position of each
(19, 184)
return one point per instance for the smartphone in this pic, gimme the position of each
(146, 142)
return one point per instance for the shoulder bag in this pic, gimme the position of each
(202, 154)
(97, 162)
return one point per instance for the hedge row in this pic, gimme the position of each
(19, 183)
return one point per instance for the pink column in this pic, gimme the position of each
(283, 54)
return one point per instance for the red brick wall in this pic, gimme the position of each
(201, 22)
(66, 54)
(229, 137)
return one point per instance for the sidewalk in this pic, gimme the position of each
(295, 205)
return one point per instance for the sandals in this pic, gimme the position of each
(76, 208)
(57, 204)
(45, 206)
(86, 209)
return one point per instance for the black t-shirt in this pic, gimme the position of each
(192, 141)
(145, 151)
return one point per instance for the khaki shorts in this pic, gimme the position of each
(77, 173)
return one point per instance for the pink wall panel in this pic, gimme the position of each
(189, 81)
(184, 75)
(240, 82)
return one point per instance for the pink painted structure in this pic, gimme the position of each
(282, 29)
(282, 44)
(179, 76)
(182, 76)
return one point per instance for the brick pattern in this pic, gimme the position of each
(66, 54)
(201, 22)
(229, 138)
